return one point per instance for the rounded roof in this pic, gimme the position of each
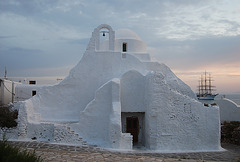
(126, 34)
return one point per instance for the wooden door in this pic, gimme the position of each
(133, 127)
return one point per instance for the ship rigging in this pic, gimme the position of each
(205, 88)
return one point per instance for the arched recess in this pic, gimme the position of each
(132, 93)
(110, 32)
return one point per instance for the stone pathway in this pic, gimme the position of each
(67, 153)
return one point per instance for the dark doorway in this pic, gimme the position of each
(133, 127)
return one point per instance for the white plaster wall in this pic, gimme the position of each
(95, 119)
(101, 119)
(175, 122)
(132, 92)
(104, 45)
(173, 81)
(73, 94)
(117, 138)
(136, 47)
(228, 110)
(133, 45)
(142, 56)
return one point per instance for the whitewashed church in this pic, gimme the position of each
(116, 97)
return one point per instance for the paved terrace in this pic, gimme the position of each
(60, 153)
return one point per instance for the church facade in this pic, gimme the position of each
(117, 97)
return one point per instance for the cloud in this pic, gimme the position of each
(23, 7)
(195, 54)
(83, 41)
(38, 43)
(20, 57)
(6, 37)
(60, 71)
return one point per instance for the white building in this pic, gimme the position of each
(7, 91)
(26, 91)
(116, 97)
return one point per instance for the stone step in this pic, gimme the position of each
(70, 135)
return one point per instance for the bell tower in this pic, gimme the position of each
(101, 30)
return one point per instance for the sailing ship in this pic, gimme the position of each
(205, 88)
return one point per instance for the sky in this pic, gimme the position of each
(46, 38)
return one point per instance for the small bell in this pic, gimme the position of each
(103, 34)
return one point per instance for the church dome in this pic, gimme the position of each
(126, 34)
(130, 39)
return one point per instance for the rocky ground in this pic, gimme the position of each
(66, 153)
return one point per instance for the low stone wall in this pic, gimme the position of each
(230, 132)
(64, 134)
(8, 133)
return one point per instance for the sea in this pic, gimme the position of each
(235, 97)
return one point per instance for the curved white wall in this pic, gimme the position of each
(228, 110)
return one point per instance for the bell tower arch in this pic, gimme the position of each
(103, 29)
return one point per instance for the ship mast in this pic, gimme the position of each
(210, 86)
(205, 85)
(201, 85)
